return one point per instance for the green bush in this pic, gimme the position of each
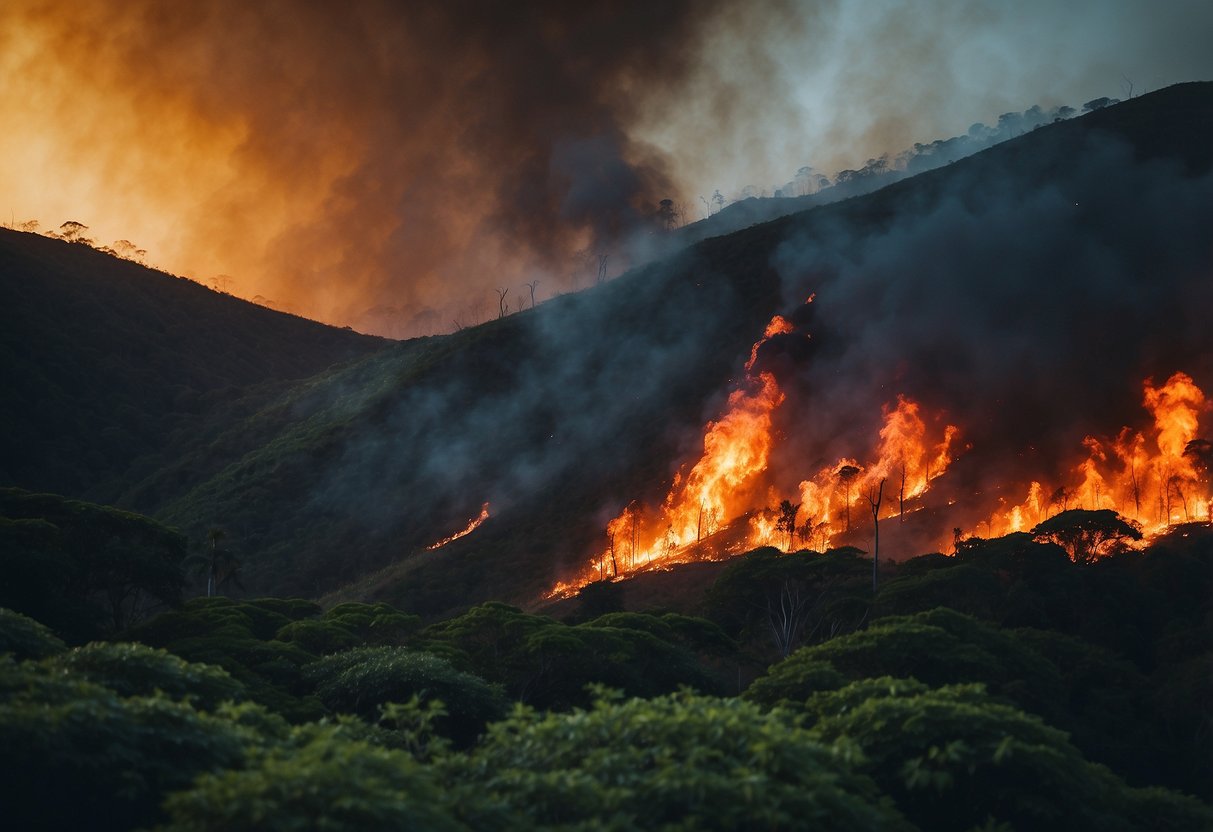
(350, 625)
(362, 680)
(937, 647)
(24, 638)
(794, 679)
(223, 632)
(78, 756)
(318, 637)
(675, 762)
(952, 758)
(323, 781)
(548, 664)
(136, 670)
(373, 623)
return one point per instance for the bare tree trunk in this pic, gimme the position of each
(788, 619)
(901, 495)
(875, 503)
(614, 562)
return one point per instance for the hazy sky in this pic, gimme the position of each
(388, 165)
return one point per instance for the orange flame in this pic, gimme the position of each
(720, 508)
(472, 525)
(908, 458)
(1122, 474)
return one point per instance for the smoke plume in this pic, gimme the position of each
(388, 165)
(367, 162)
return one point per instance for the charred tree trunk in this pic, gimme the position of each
(901, 495)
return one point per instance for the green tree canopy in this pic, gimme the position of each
(82, 568)
(674, 762)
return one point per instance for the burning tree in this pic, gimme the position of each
(1087, 535)
(787, 520)
(847, 475)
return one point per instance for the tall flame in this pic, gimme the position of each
(1156, 476)
(721, 506)
(907, 458)
(1155, 489)
(736, 449)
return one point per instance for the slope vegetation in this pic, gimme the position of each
(104, 360)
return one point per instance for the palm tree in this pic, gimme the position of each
(220, 565)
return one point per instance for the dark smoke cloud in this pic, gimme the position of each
(388, 164)
(405, 155)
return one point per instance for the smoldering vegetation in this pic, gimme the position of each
(1025, 301)
(553, 416)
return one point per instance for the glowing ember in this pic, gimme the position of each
(472, 525)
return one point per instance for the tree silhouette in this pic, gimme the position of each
(220, 565)
(1087, 535)
(73, 232)
(847, 474)
(901, 494)
(874, 501)
(787, 519)
(667, 214)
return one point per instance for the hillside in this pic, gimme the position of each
(1155, 129)
(104, 360)
(1026, 290)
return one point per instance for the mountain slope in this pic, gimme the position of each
(103, 359)
(559, 417)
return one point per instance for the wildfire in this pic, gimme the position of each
(908, 457)
(721, 507)
(727, 503)
(1156, 477)
(472, 525)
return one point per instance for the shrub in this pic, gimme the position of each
(953, 758)
(362, 680)
(78, 756)
(25, 638)
(675, 762)
(136, 670)
(325, 781)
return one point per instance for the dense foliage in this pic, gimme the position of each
(275, 713)
(84, 569)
